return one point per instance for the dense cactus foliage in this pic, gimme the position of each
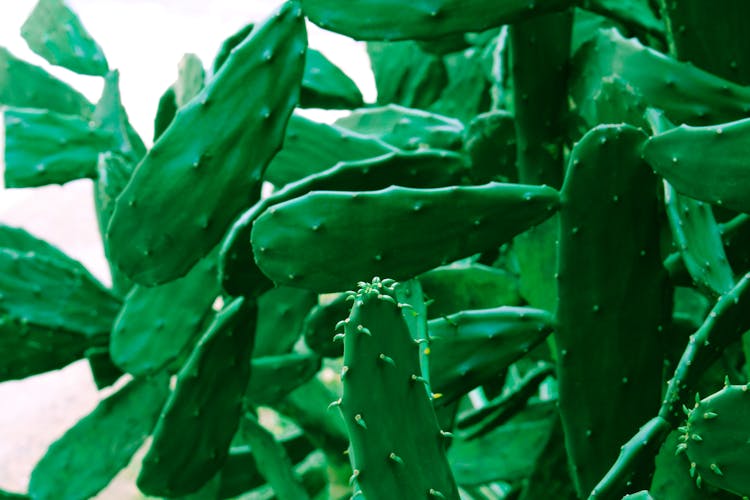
(509, 277)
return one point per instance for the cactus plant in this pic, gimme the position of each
(560, 186)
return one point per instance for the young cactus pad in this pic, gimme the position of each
(716, 439)
(397, 448)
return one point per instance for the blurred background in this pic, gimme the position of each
(145, 40)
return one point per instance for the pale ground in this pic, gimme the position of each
(144, 39)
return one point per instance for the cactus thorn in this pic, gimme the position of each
(435, 493)
(360, 421)
(726, 381)
(417, 378)
(696, 437)
(685, 410)
(341, 324)
(365, 330)
(334, 403)
(386, 359)
(715, 469)
(395, 458)
(692, 469)
(388, 298)
(354, 476)
(339, 337)
(680, 448)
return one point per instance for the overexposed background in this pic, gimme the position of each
(144, 39)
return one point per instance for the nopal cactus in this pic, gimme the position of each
(560, 187)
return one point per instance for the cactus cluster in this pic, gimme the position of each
(560, 188)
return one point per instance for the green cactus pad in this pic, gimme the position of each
(194, 431)
(32, 348)
(113, 174)
(722, 50)
(460, 287)
(324, 85)
(406, 75)
(508, 453)
(20, 240)
(281, 312)
(420, 19)
(7, 495)
(696, 233)
(469, 348)
(608, 284)
(110, 116)
(54, 32)
(271, 459)
(635, 463)
(239, 273)
(490, 142)
(637, 15)
(715, 440)
(405, 231)
(103, 370)
(43, 147)
(228, 161)
(29, 349)
(406, 128)
(686, 93)
(89, 455)
(24, 85)
(240, 472)
(467, 92)
(728, 320)
(311, 147)
(397, 450)
(680, 156)
(540, 101)
(276, 376)
(165, 112)
(320, 325)
(190, 79)
(53, 293)
(158, 325)
(504, 406)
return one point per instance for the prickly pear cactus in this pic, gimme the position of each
(715, 439)
(397, 448)
(561, 185)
